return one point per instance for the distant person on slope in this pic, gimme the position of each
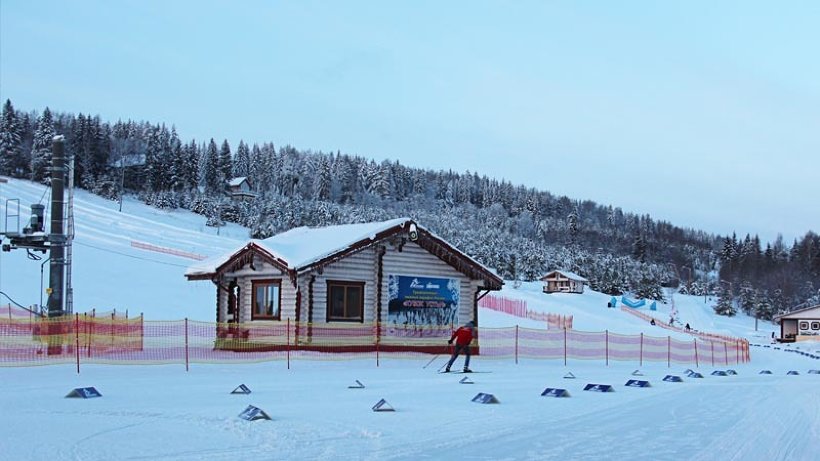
(463, 337)
(687, 328)
(652, 322)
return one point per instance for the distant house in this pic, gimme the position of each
(240, 189)
(393, 283)
(559, 281)
(800, 325)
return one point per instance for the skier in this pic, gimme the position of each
(652, 322)
(463, 337)
(688, 328)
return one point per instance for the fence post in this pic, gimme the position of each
(726, 353)
(186, 343)
(516, 344)
(713, 352)
(77, 340)
(696, 352)
(112, 330)
(641, 362)
(668, 351)
(606, 342)
(287, 343)
(565, 346)
(737, 351)
(377, 350)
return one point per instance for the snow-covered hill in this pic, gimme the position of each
(164, 413)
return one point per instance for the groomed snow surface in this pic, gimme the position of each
(166, 413)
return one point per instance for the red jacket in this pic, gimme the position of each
(463, 336)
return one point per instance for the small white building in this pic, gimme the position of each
(240, 189)
(560, 281)
(800, 325)
(396, 280)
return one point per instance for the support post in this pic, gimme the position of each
(606, 342)
(641, 362)
(516, 344)
(696, 353)
(287, 343)
(713, 352)
(668, 351)
(726, 353)
(77, 340)
(565, 345)
(186, 343)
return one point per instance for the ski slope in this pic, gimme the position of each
(165, 413)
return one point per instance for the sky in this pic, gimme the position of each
(704, 114)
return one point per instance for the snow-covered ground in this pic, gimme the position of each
(166, 413)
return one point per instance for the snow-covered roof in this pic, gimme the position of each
(567, 274)
(237, 181)
(303, 247)
(807, 313)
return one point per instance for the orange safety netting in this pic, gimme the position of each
(26, 341)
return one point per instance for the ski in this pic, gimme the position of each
(462, 372)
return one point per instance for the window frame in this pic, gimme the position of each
(265, 282)
(346, 284)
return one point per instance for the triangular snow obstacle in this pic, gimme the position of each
(695, 374)
(84, 393)
(241, 389)
(554, 392)
(688, 371)
(465, 380)
(765, 372)
(637, 383)
(731, 372)
(485, 398)
(253, 413)
(673, 379)
(637, 373)
(719, 373)
(358, 385)
(598, 388)
(814, 372)
(569, 376)
(792, 373)
(382, 405)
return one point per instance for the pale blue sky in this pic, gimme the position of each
(702, 113)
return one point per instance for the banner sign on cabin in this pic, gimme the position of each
(421, 306)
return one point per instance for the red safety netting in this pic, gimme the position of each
(108, 339)
(518, 308)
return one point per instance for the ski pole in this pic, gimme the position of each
(431, 361)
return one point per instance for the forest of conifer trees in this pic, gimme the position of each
(521, 232)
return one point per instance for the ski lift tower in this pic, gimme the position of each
(34, 237)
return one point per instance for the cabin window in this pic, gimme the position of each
(815, 325)
(267, 297)
(345, 301)
(804, 325)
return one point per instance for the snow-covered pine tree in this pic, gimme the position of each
(214, 180)
(12, 160)
(725, 305)
(225, 161)
(242, 161)
(41, 148)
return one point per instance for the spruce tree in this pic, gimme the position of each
(41, 148)
(12, 160)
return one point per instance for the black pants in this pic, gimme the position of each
(459, 348)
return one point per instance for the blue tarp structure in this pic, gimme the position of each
(627, 302)
(653, 306)
(613, 302)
